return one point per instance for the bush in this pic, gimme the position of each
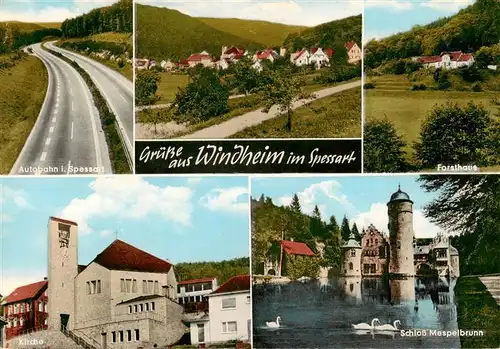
(146, 84)
(444, 85)
(419, 87)
(469, 74)
(338, 74)
(120, 63)
(383, 148)
(452, 134)
(476, 87)
(369, 85)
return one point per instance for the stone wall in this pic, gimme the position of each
(401, 238)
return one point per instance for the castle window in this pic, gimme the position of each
(351, 267)
(152, 305)
(367, 242)
(137, 334)
(135, 308)
(353, 253)
(113, 337)
(129, 335)
(130, 309)
(141, 307)
(147, 306)
(121, 336)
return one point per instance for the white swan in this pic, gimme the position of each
(274, 324)
(388, 327)
(365, 326)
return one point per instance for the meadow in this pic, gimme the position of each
(393, 100)
(169, 85)
(335, 116)
(22, 93)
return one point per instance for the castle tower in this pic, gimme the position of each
(63, 268)
(351, 257)
(400, 211)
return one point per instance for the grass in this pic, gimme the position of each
(50, 25)
(477, 310)
(266, 33)
(168, 86)
(22, 93)
(407, 110)
(336, 116)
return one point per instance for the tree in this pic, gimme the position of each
(345, 231)
(295, 205)
(452, 134)
(333, 242)
(383, 148)
(245, 78)
(317, 226)
(468, 205)
(283, 92)
(146, 84)
(204, 97)
(299, 266)
(356, 233)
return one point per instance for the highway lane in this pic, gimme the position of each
(115, 88)
(67, 134)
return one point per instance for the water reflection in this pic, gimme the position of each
(320, 313)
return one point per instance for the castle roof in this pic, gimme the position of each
(351, 243)
(121, 256)
(25, 292)
(234, 284)
(399, 196)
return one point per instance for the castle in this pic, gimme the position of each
(399, 251)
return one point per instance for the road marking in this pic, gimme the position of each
(44, 155)
(124, 99)
(51, 129)
(47, 142)
(53, 119)
(71, 130)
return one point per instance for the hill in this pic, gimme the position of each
(222, 270)
(330, 34)
(22, 27)
(14, 35)
(165, 33)
(50, 25)
(268, 34)
(471, 28)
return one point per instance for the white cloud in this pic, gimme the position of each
(129, 197)
(105, 233)
(308, 197)
(228, 199)
(193, 180)
(12, 196)
(377, 215)
(287, 12)
(11, 279)
(391, 4)
(447, 5)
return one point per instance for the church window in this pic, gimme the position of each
(94, 286)
(134, 286)
(147, 304)
(98, 286)
(135, 308)
(157, 288)
(141, 306)
(88, 287)
(137, 334)
(129, 335)
(376, 241)
(130, 309)
(113, 337)
(121, 336)
(144, 286)
(152, 305)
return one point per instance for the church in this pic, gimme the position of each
(124, 298)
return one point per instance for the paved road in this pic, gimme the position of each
(239, 123)
(115, 88)
(67, 133)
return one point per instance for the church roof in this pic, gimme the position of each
(60, 220)
(122, 256)
(399, 196)
(26, 292)
(234, 284)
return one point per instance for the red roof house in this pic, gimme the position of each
(235, 284)
(329, 52)
(296, 248)
(350, 44)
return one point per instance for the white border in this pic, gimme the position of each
(133, 83)
(250, 337)
(362, 89)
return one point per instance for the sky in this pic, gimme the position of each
(383, 18)
(47, 10)
(298, 12)
(363, 199)
(182, 219)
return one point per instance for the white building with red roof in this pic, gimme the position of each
(353, 52)
(275, 265)
(124, 297)
(300, 58)
(233, 53)
(447, 60)
(202, 58)
(193, 293)
(267, 54)
(318, 56)
(229, 314)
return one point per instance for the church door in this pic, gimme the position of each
(64, 322)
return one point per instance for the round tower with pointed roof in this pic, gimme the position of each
(351, 257)
(400, 212)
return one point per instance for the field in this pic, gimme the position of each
(168, 86)
(51, 25)
(407, 110)
(22, 93)
(336, 116)
(265, 33)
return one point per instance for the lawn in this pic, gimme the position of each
(407, 110)
(22, 93)
(336, 116)
(477, 310)
(168, 86)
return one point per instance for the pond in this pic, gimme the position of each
(320, 313)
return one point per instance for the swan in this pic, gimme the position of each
(274, 324)
(388, 327)
(365, 326)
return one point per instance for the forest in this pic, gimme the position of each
(222, 270)
(114, 18)
(470, 29)
(272, 223)
(12, 37)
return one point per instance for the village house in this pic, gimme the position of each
(268, 54)
(192, 294)
(168, 65)
(300, 58)
(446, 60)
(202, 58)
(229, 315)
(353, 52)
(317, 56)
(276, 263)
(232, 53)
(141, 64)
(25, 309)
